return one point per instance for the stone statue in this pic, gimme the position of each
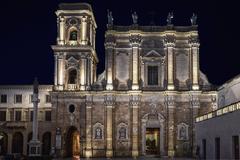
(135, 18)
(193, 19)
(169, 18)
(110, 18)
(35, 86)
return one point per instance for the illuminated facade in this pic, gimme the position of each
(144, 103)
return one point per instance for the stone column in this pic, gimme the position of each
(55, 69)
(171, 108)
(135, 40)
(88, 74)
(61, 31)
(34, 144)
(193, 41)
(83, 74)
(83, 30)
(135, 102)
(109, 102)
(169, 46)
(61, 71)
(109, 47)
(195, 105)
(89, 126)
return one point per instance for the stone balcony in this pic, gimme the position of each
(72, 87)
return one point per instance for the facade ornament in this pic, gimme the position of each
(169, 100)
(98, 131)
(135, 100)
(110, 18)
(110, 41)
(169, 18)
(89, 100)
(109, 100)
(193, 19)
(153, 107)
(135, 18)
(122, 131)
(135, 39)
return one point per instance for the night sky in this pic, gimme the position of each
(28, 29)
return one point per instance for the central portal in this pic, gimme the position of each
(152, 141)
(72, 143)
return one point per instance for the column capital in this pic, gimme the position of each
(169, 41)
(134, 100)
(194, 100)
(193, 41)
(135, 39)
(169, 100)
(109, 100)
(89, 101)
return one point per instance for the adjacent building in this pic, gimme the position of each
(144, 103)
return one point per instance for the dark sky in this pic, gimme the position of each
(28, 28)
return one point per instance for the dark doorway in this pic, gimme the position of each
(152, 141)
(235, 141)
(72, 142)
(204, 148)
(217, 148)
(46, 143)
(3, 143)
(17, 143)
(72, 76)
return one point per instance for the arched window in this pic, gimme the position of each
(73, 36)
(72, 77)
(71, 108)
(17, 143)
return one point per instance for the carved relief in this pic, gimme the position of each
(98, 131)
(182, 129)
(72, 62)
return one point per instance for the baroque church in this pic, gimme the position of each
(144, 103)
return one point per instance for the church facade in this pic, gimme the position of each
(144, 103)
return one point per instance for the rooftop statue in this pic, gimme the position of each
(169, 18)
(110, 18)
(193, 19)
(135, 18)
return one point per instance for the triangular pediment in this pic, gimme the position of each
(153, 53)
(72, 60)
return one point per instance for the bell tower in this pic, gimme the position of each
(75, 54)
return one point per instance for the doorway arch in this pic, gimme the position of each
(17, 143)
(72, 142)
(153, 121)
(3, 143)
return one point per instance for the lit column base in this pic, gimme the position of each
(88, 153)
(59, 87)
(61, 42)
(195, 87)
(84, 42)
(34, 148)
(109, 153)
(109, 87)
(82, 87)
(170, 87)
(135, 87)
(135, 154)
(171, 153)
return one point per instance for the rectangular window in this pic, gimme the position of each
(30, 98)
(18, 116)
(48, 99)
(3, 98)
(2, 115)
(48, 115)
(217, 148)
(152, 75)
(31, 116)
(18, 98)
(235, 147)
(204, 146)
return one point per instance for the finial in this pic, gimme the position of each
(35, 85)
(193, 19)
(169, 18)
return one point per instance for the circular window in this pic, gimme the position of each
(71, 108)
